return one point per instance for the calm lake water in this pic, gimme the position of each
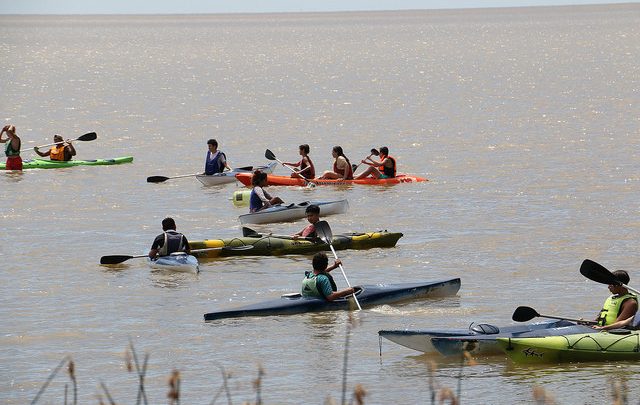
(526, 121)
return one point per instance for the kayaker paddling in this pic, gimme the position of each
(619, 309)
(216, 160)
(62, 151)
(320, 283)
(307, 170)
(12, 148)
(341, 166)
(259, 198)
(385, 168)
(313, 216)
(170, 241)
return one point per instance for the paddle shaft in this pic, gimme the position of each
(116, 259)
(344, 275)
(85, 137)
(162, 179)
(568, 319)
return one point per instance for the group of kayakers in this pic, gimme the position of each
(61, 150)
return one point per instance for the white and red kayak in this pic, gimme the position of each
(230, 176)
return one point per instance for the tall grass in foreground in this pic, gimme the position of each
(438, 395)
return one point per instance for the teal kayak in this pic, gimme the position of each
(612, 345)
(55, 164)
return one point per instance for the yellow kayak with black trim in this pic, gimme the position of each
(265, 245)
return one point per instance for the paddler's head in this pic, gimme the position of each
(58, 139)
(168, 224)
(213, 145)
(320, 262)
(384, 151)
(313, 213)
(624, 278)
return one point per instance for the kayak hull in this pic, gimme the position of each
(264, 245)
(293, 212)
(368, 296)
(595, 346)
(230, 176)
(273, 180)
(55, 164)
(182, 263)
(479, 339)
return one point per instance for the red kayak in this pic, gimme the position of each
(273, 180)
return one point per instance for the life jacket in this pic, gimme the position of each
(310, 285)
(611, 308)
(9, 151)
(349, 170)
(311, 173)
(58, 152)
(213, 166)
(388, 171)
(309, 232)
(173, 242)
(255, 203)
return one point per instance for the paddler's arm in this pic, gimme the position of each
(340, 294)
(72, 150)
(615, 325)
(36, 150)
(335, 265)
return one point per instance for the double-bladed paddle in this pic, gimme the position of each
(162, 179)
(524, 314)
(271, 156)
(116, 259)
(90, 136)
(324, 232)
(374, 152)
(598, 273)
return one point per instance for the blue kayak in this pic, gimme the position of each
(478, 338)
(368, 296)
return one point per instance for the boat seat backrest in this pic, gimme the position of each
(484, 329)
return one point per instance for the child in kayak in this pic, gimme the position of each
(307, 170)
(61, 151)
(313, 216)
(169, 241)
(319, 283)
(620, 309)
(259, 198)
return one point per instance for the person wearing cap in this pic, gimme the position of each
(619, 309)
(12, 148)
(216, 160)
(61, 151)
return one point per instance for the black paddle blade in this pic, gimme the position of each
(324, 231)
(157, 179)
(524, 314)
(91, 136)
(598, 273)
(375, 152)
(269, 155)
(115, 259)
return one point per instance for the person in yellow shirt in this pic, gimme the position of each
(62, 150)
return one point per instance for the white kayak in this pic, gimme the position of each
(176, 262)
(293, 212)
(230, 176)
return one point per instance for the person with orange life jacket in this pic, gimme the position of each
(62, 150)
(383, 169)
(341, 166)
(12, 149)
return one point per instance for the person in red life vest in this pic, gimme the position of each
(313, 216)
(259, 198)
(341, 166)
(385, 168)
(216, 160)
(307, 170)
(169, 241)
(62, 150)
(12, 148)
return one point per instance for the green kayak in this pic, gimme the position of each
(598, 346)
(265, 245)
(55, 164)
